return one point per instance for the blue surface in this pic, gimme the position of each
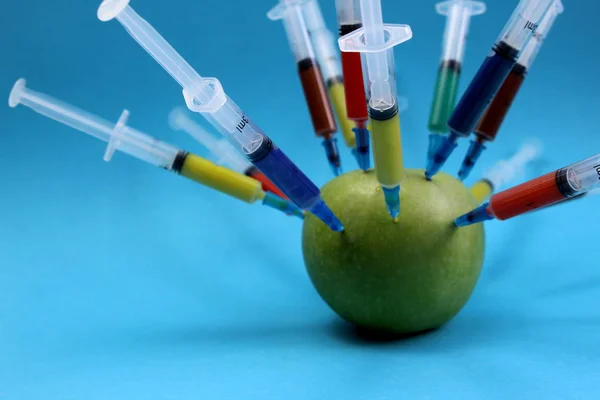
(121, 281)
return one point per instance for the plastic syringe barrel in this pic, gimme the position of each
(203, 95)
(119, 136)
(323, 41)
(379, 70)
(523, 22)
(376, 41)
(221, 148)
(291, 13)
(532, 49)
(458, 13)
(584, 176)
(348, 12)
(224, 114)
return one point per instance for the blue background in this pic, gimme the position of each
(120, 281)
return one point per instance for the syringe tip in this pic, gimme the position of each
(479, 214)
(471, 158)
(363, 159)
(362, 150)
(333, 155)
(14, 98)
(445, 148)
(324, 213)
(392, 200)
(337, 170)
(110, 9)
(434, 142)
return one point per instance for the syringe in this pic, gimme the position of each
(349, 20)
(121, 137)
(206, 96)
(549, 189)
(377, 40)
(492, 119)
(315, 93)
(458, 17)
(505, 171)
(325, 46)
(220, 148)
(490, 76)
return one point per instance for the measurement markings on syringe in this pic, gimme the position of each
(242, 124)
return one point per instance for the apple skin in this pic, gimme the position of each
(400, 277)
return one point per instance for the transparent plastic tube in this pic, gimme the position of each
(348, 12)
(532, 49)
(290, 12)
(458, 17)
(118, 136)
(523, 23)
(221, 148)
(584, 176)
(204, 95)
(323, 41)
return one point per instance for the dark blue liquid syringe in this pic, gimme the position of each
(490, 77)
(206, 96)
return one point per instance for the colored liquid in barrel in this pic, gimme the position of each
(267, 185)
(356, 98)
(538, 193)
(316, 98)
(494, 116)
(444, 98)
(482, 89)
(285, 175)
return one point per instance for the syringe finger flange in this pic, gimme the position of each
(473, 7)
(395, 34)
(117, 133)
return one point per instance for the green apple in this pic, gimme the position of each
(400, 277)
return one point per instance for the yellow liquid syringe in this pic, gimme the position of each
(146, 148)
(376, 40)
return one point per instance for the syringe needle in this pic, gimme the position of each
(207, 97)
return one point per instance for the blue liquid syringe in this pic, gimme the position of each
(207, 97)
(490, 77)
